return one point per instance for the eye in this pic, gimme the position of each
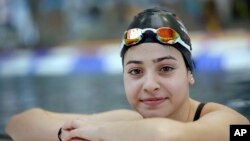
(166, 69)
(135, 71)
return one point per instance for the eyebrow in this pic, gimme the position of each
(164, 58)
(134, 62)
(155, 60)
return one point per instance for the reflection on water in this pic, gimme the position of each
(96, 93)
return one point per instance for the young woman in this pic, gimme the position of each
(157, 62)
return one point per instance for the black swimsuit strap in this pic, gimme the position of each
(198, 111)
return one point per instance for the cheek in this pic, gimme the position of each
(131, 89)
(128, 87)
(177, 86)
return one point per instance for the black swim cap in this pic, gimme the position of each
(156, 18)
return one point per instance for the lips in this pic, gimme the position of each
(154, 101)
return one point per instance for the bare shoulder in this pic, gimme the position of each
(216, 111)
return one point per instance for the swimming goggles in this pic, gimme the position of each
(165, 35)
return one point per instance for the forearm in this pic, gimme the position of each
(33, 124)
(151, 129)
(116, 115)
(159, 129)
(142, 130)
(162, 129)
(40, 125)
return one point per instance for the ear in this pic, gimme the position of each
(191, 80)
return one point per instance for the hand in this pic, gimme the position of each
(65, 136)
(78, 130)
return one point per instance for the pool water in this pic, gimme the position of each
(92, 93)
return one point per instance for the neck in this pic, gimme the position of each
(184, 114)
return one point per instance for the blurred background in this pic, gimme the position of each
(63, 55)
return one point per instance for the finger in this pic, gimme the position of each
(72, 124)
(65, 136)
(82, 133)
(77, 133)
(78, 139)
(67, 125)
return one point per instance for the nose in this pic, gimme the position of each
(151, 84)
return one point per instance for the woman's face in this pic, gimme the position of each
(156, 80)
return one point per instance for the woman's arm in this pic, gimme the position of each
(152, 129)
(40, 125)
(213, 125)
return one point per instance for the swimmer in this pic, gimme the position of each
(157, 72)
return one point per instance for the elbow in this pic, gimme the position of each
(245, 120)
(13, 125)
(9, 126)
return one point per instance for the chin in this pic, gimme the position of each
(152, 113)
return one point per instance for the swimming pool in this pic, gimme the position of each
(92, 93)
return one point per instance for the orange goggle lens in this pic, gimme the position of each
(167, 35)
(164, 35)
(132, 36)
